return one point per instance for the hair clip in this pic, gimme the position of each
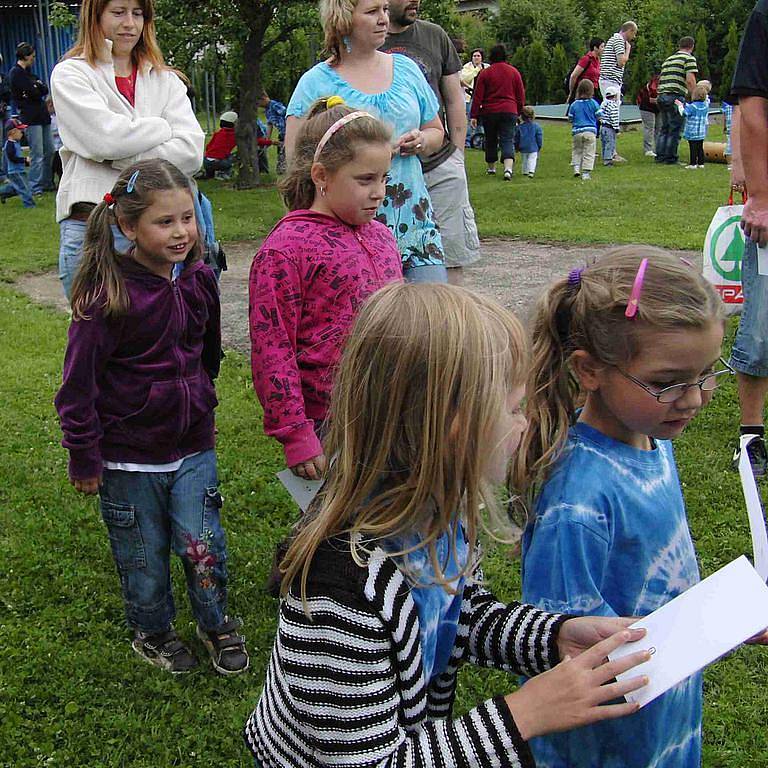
(637, 289)
(334, 101)
(109, 199)
(687, 262)
(132, 183)
(574, 278)
(340, 123)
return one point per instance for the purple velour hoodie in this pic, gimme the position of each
(139, 387)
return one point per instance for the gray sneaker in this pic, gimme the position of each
(758, 456)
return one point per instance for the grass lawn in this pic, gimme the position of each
(72, 693)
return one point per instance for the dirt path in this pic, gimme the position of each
(511, 271)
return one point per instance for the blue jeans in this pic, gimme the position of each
(672, 123)
(149, 513)
(428, 273)
(750, 347)
(18, 180)
(608, 142)
(71, 236)
(41, 157)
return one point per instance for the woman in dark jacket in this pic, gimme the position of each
(498, 99)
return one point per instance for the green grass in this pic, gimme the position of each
(72, 693)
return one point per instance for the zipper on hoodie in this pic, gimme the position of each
(368, 254)
(186, 415)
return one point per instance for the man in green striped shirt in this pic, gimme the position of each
(676, 82)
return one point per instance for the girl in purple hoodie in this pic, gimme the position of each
(315, 269)
(136, 408)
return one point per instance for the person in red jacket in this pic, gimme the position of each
(498, 100)
(218, 152)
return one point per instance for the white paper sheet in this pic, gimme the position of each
(762, 260)
(302, 491)
(698, 627)
(754, 511)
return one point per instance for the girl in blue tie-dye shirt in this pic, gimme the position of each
(636, 338)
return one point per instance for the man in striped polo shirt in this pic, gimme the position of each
(612, 62)
(676, 82)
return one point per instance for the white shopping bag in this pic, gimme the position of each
(723, 252)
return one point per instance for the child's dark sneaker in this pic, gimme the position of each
(226, 647)
(758, 456)
(164, 650)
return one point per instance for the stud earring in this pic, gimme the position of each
(347, 43)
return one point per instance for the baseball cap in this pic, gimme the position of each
(612, 90)
(228, 117)
(12, 123)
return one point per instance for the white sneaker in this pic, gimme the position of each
(585, 176)
(699, 166)
(650, 153)
(691, 167)
(576, 170)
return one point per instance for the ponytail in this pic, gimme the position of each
(99, 274)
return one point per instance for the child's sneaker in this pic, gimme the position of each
(490, 171)
(619, 159)
(226, 648)
(585, 176)
(758, 456)
(508, 175)
(607, 162)
(164, 650)
(576, 170)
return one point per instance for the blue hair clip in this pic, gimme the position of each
(132, 183)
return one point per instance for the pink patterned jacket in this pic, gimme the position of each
(307, 282)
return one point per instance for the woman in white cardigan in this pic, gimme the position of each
(116, 102)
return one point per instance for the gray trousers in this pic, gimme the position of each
(651, 125)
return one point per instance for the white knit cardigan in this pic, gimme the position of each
(102, 134)
(346, 688)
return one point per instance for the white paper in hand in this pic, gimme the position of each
(755, 511)
(302, 491)
(697, 628)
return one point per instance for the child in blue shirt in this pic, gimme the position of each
(584, 113)
(16, 162)
(639, 334)
(528, 141)
(274, 111)
(696, 121)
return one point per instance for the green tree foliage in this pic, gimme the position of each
(520, 22)
(442, 12)
(702, 53)
(559, 68)
(729, 62)
(536, 72)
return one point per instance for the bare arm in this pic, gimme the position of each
(624, 57)
(577, 70)
(690, 82)
(737, 167)
(753, 151)
(292, 125)
(455, 108)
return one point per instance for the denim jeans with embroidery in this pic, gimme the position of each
(150, 514)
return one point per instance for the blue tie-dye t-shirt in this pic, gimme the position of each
(610, 537)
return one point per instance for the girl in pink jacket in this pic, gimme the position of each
(315, 269)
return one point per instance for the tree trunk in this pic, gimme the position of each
(250, 92)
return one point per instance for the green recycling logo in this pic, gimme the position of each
(726, 249)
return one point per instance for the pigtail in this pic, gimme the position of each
(552, 388)
(99, 275)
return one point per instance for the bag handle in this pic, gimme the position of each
(743, 196)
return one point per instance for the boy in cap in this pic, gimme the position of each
(609, 123)
(15, 161)
(218, 152)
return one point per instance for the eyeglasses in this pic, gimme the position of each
(708, 383)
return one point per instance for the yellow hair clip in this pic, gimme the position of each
(334, 101)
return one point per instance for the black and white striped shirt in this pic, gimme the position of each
(609, 61)
(346, 688)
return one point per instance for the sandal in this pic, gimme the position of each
(164, 650)
(226, 647)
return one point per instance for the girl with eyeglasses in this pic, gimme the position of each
(626, 353)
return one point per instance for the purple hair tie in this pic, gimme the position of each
(574, 278)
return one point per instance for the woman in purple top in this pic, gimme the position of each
(136, 408)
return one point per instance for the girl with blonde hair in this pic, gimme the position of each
(393, 89)
(625, 353)
(116, 103)
(383, 599)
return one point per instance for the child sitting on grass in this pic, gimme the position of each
(584, 113)
(528, 141)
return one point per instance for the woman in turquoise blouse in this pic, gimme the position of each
(393, 88)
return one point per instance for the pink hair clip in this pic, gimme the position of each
(637, 289)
